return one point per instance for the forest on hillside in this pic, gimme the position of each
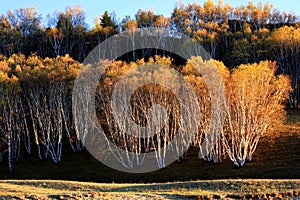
(234, 35)
(256, 50)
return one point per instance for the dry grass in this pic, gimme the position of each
(222, 188)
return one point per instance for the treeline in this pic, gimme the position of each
(221, 29)
(36, 108)
(240, 35)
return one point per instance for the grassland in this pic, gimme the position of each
(229, 189)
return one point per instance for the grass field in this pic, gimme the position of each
(275, 170)
(229, 189)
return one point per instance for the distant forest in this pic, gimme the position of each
(244, 34)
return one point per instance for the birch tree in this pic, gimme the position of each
(9, 124)
(255, 99)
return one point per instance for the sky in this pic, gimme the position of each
(95, 8)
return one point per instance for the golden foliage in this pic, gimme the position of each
(256, 91)
(4, 66)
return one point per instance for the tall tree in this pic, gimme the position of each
(145, 18)
(255, 99)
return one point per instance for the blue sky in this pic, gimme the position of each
(94, 8)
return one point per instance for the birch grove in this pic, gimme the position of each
(163, 118)
(255, 99)
(36, 108)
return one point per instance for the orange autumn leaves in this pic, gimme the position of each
(255, 95)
